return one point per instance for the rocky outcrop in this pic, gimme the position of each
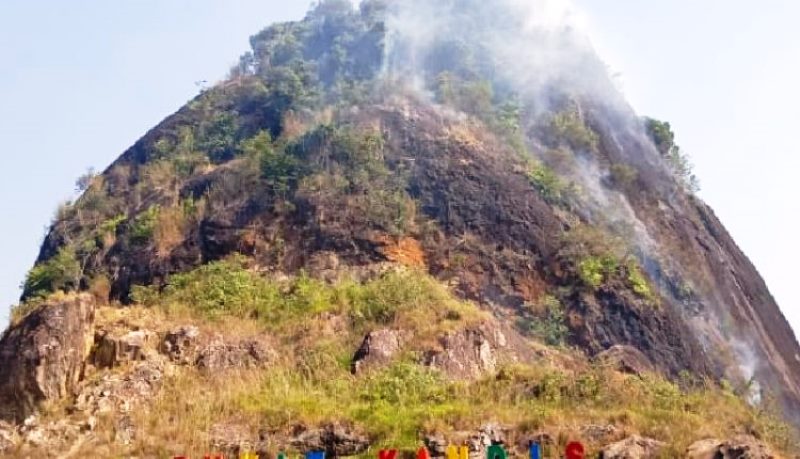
(181, 345)
(115, 349)
(246, 353)
(377, 350)
(473, 352)
(43, 357)
(9, 438)
(741, 447)
(626, 359)
(634, 447)
(335, 439)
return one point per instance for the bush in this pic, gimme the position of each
(623, 175)
(279, 169)
(62, 272)
(553, 189)
(551, 327)
(143, 226)
(569, 127)
(664, 139)
(595, 270)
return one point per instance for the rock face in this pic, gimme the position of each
(741, 447)
(472, 352)
(635, 447)
(377, 350)
(43, 357)
(336, 440)
(626, 359)
(181, 345)
(247, 353)
(112, 350)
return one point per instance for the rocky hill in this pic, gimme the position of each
(394, 225)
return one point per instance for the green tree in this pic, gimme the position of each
(61, 272)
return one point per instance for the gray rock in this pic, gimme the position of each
(634, 447)
(44, 356)
(248, 353)
(741, 447)
(436, 444)
(112, 350)
(181, 345)
(377, 350)
(469, 353)
(335, 439)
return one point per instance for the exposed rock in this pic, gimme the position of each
(472, 352)
(43, 357)
(377, 350)
(741, 447)
(626, 359)
(9, 437)
(112, 349)
(335, 439)
(248, 353)
(64, 435)
(436, 444)
(122, 392)
(599, 433)
(634, 447)
(181, 345)
(231, 439)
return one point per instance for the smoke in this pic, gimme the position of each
(522, 46)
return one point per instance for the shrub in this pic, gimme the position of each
(623, 175)
(569, 127)
(143, 226)
(553, 189)
(551, 327)
(218, 137)
(664, 139)
(279, 169)
(61, 272)
(595, 270)
(637, 281)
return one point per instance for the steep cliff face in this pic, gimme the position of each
(348, 142)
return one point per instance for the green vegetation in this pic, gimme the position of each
(142, 228)
(664, 138)
(569, 127)
(623, 176)
(228, 289)
(60, 273)
(553, 188)
(595, 270)
(546, 322)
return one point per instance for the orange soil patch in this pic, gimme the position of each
(405, 251)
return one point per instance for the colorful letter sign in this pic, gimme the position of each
(457, 453)
(575, 451)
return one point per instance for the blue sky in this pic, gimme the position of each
(83, 80)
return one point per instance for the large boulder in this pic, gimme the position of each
(181, 345)
(634, 447)
(741, 447)
(377, 350)
(44, 356)
(475, 351)
(113, 349)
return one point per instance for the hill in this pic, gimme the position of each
(395, 225)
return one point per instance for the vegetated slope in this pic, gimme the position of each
(338, 149)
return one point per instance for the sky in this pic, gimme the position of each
(81, 81)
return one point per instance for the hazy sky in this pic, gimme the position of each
(82, 80)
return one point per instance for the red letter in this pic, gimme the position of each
(575, 451)
(423, 453)
(390, 454)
